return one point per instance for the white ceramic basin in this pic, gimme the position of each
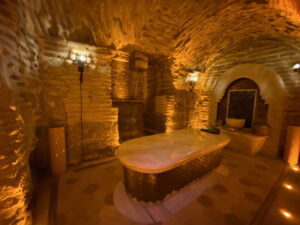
(235, 123)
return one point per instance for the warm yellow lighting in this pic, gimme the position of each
(20, 118)
(295, 168)
(193, 77)
(81, 59)
(296, 66)
(287, 186)
(13, 132)
(286, 213)
(292, 143)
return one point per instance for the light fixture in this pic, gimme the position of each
(192, 79)
(295, 168)
(296, 67)
(287, 186)
(81, 59)
(286, 213)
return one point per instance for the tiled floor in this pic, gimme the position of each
(285, 208)
(244, 187)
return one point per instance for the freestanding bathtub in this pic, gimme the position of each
(157, 165)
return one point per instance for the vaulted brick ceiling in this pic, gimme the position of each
(192, 32)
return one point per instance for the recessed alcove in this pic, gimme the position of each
(246, 103)
(272, 91)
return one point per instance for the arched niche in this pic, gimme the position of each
(272, 90)
(254, 110)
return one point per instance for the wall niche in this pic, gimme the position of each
(260, 108)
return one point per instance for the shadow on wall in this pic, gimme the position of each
(272, 91)
(175, 104)
(159, 112)
(168, 108)
(61, 101)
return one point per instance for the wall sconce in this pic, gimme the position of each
(81, 59)
(192, 79)
(296, 67)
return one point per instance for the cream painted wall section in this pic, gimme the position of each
(272, 90)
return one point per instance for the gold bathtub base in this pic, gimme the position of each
(155, 187)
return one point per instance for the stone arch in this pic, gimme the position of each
(272, 90)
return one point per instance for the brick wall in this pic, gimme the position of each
(170, 28)
(171, 104)
(130, 92)
(60, 100)
(121, 78)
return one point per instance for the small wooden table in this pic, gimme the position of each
(157, 165)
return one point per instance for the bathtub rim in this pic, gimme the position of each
(185, 158)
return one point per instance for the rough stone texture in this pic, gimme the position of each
(19, 87)
(143, 90)
(60, 100)
(276, 55)
(192, 34)
(129, 92)
(174, 36)
(183, 109)
(130, 119)
(160, 21)
(172, 106)
(14, 168)
(120, 75)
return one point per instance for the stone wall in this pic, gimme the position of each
(129, 92)
(154, 122)
(60, 101)
(15, 189)
(143, 89)
(192, 32)
(275, 55)
(19, 91)
(235, 32)
(172, 28)
(130, 119)
(171, 103)
(179, 111)
(121, 77)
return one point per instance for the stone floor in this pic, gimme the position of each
(250, 190)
